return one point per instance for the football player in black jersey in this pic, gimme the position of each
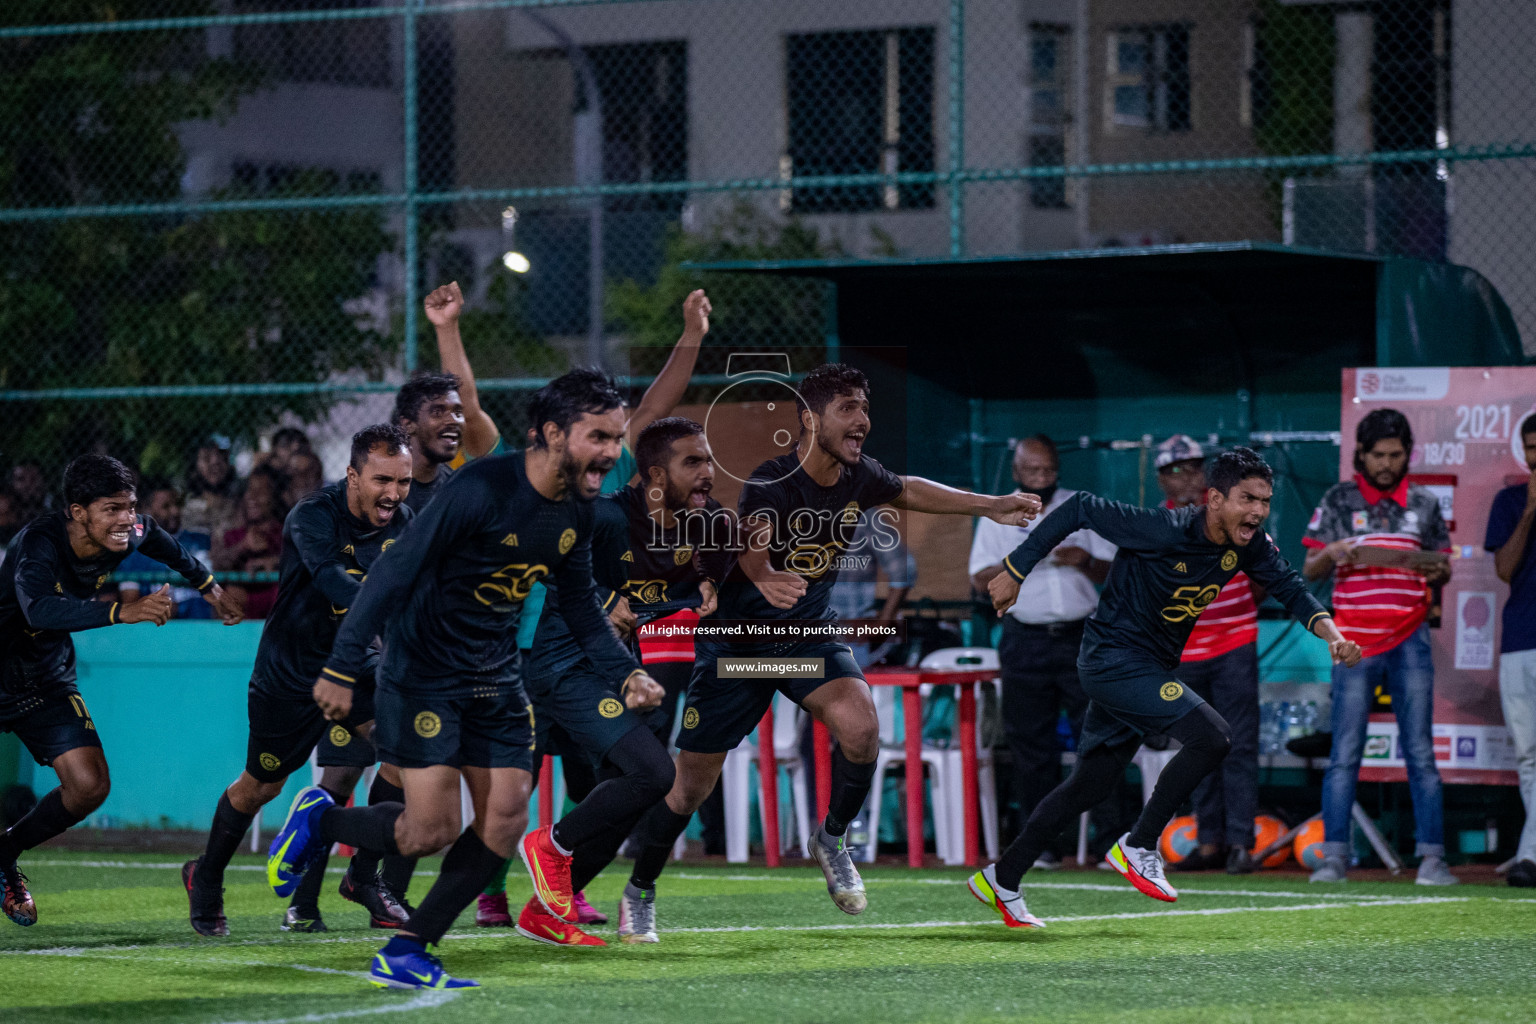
(798, 516)
(48, 587)
(330, 540)
(1170, 566)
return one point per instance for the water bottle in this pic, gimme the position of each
(1294, 727)
(1268, 727)
(858, 836)
(1309, 719)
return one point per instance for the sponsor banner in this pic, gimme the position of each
(1464, 754)
(1466, 430)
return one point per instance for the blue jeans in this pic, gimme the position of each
(1408, 675)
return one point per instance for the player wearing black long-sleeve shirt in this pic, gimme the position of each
(331, 539)
(1170, 565)
(48, 588)
(450, 700)
(799, 513)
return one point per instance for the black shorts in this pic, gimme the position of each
(720, 713)
(51, 723)
(285, 729)
(489, 729)
(587, 708)
(1129, 701)
(338, 748)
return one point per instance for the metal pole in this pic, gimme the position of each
(956, 127)
(412, 228)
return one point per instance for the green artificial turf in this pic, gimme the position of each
(747, 944)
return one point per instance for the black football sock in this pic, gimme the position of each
(637, 773)
(850, 788)
(49, 818)
(229, 828)
(657, 833)
(365, 862)
(306, 898)
(1093, 778)
(367, 828)
(1206, 739)
(468, 866)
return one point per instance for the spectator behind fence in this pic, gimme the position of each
(10, 518)
(288, 443)
(30, 485)
(1514, 558)
(1388, 541)
(1042, 631)
(256, 545)
(163, 504)
(209, 502)
(1221, 664)
(304, 477)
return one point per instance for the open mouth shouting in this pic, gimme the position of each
(852, 447)
(384, 511)
(1247, 530)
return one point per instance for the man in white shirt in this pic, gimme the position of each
(1043, 629)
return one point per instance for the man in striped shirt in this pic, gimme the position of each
(1221, 664)
(1385, 543)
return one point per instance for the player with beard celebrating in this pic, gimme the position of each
(48, 587)
(798, 515)
(648, 564)
(450, 698)
(330, 541)
(1170, 566)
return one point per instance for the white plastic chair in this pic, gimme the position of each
(736, 784)
(981, 658)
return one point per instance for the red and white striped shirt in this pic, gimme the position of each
(1227, 623)
(1376, 606)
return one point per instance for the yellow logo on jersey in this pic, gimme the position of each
(58, 588)
(510, 540)
(348, 550)
(1228, 561)
(628, 556)
(520, 578)
(270, 762)
(690, 718)
(1180, 567)
(567, 541)
(1189, 602)
(609, 708)
(339, 736)
(1171, 691)
(850, 513)
(647, 591)
(428, 725)
(680, 556)
(385, 546)
(811, 560)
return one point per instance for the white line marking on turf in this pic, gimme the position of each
(427, 1000)
(1086, 886)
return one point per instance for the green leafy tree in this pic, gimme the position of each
(115, 301)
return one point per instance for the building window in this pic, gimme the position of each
(644, 90)
(1147, 80)
(1050, 48)
(860, 103)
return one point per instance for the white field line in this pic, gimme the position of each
(497, 933)
(427, 1000)
(694, 877)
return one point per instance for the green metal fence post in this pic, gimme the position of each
(956, 127)
(412, 210)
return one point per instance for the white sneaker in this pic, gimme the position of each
(1332, 869)
(1143, 868)
(843, 882)
(637, 915)
(1010, 905)
(1433, 871)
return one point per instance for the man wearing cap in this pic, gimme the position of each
(1043, 630)
(1221, 664)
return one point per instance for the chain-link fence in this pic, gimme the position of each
(219, 217)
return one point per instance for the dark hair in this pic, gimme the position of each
(568, 397)
(290, 435)
(92, 477)
(393, 438)
(1528, 426)
(654, 445)
(150, 485)
(826, 382)
(1381, 425)
(1043, 441)
(423, 386)
(1231, 468)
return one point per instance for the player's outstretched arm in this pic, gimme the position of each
(167, 550)
(39, 568)
(667, 389)
(579, 606)
(443, 307)
(312, 535)
(1344, 652)
(919, 494)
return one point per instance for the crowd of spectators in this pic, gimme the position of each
(233, 523)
